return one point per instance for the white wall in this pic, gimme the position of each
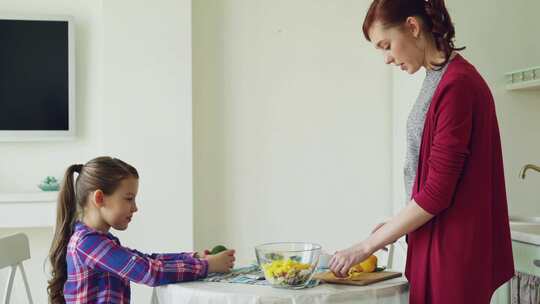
(23, 165)
(501, 36)
(147, 118)
(134, 102)
(292, 124)
(36, 160)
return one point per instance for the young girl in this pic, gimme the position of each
(89, 265)
(456, 217)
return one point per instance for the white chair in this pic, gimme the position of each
(14, 250)
(390, 259)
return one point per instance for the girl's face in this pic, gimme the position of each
(400, 45)
(118, 208)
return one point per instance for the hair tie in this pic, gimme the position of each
(433, 11)
(78, 168)
(429, 8)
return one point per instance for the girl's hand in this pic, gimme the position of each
(343, 260)
(221, 262)
(201, 255)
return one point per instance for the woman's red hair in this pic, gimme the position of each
(433, 13)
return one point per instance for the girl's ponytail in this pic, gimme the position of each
(65, 218)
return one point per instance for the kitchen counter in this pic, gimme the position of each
(526, 232)
(525, 229)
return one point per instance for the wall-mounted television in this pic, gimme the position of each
(37, 78)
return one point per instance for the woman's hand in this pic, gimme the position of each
(343, 260)
(408, 219)
(221, 262)
(379, 225)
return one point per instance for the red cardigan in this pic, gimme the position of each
(465, 252)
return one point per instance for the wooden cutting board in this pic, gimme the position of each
(360, 280)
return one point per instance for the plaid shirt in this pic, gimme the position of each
(99, 269)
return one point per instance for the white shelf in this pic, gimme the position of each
(28, 197)
(526, 79)
(532, 84)
(28, 210)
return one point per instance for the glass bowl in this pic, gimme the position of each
(288, 264)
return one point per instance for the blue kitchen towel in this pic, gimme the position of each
(245, 275)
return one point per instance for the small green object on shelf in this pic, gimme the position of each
(49, 183)
(217, 249)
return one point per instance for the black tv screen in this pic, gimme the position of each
(34, 75)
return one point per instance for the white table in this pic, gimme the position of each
(393, 291)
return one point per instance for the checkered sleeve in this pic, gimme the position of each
(166, 256)
(104, 254)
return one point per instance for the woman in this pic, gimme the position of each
(456, 219)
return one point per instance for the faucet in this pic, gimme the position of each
(527, 167)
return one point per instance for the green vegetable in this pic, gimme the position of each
(273, 256)
(217, 249)
(296, 258)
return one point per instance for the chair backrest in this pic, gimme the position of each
(14, 249)
(390, 259)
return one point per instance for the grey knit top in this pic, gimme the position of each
(415, 126)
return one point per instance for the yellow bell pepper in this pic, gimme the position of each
(368, 265)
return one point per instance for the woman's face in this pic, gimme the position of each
(401, 45)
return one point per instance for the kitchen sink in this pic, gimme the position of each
(525, 229)
(517, 219)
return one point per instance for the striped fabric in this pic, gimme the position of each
(99, 269)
